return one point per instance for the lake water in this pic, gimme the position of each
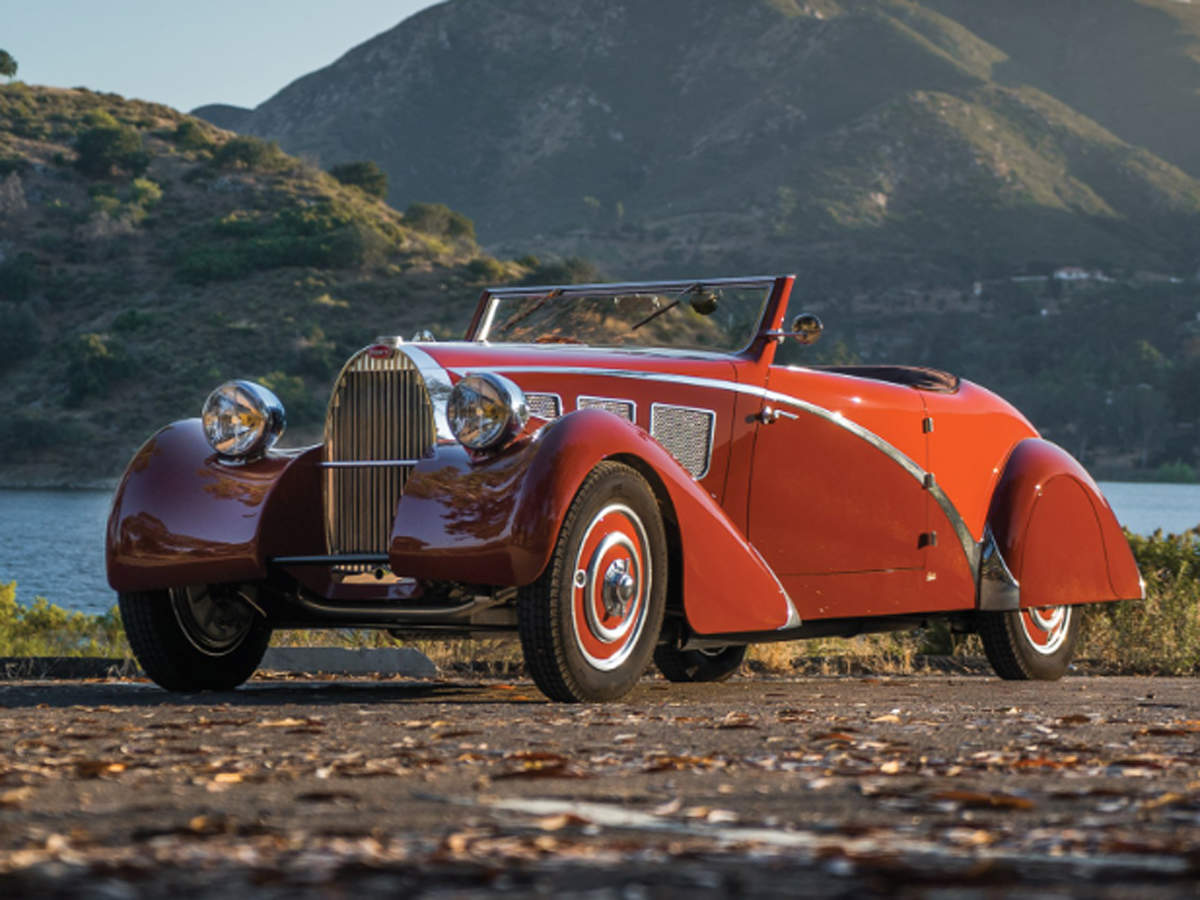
(52, 542)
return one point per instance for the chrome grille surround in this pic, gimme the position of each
(544, 406)
(686, 433)
(379, 424)
(626, 409)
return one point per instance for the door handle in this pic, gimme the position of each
(768, 415)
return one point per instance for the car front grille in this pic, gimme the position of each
(379, 423)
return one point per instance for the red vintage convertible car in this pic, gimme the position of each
(616, 473)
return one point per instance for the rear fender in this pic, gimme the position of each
(182, 517)
(1052, 533)
(496, 520)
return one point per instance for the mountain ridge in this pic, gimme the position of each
(587, 129)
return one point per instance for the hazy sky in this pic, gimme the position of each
(187, 54)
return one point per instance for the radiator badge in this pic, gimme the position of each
(381, 351)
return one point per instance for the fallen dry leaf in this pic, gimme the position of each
(975, 800)
(94, 768)
(15, 797)
(561, 821)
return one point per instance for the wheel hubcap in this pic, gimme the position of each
(215, 619)
(610, 587)
(1046, 627)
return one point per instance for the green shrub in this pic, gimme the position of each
(8, 65)
(250, 153)
(1176, 472)
(487, 269)
(366, 176)
(439, 219)
(145, 193)
(107, 149)
(190, 135)
(322, 235)
(44, 629)
(106, 204)
(1160, 634)
(96, 362)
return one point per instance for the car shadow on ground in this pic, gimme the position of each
(132, 694)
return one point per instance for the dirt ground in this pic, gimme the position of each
(914, 786)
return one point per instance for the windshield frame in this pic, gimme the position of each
(772, 313)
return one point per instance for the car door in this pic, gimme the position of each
(836, 488)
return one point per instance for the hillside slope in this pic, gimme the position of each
(905, 139)
(145, 257)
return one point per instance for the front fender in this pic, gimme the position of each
(1057, 533)
(496, 520)
(181, 517)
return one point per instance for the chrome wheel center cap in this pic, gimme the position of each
(619, 588)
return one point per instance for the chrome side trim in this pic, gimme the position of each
(999, 591)
(961, 531)
(437, 383)
(969, 546)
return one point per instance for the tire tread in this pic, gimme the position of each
(543, 642)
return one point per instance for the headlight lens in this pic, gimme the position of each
(242, 419)
(486, 410)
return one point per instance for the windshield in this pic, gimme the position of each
(697, 316)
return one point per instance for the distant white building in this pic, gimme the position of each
(1072, 273)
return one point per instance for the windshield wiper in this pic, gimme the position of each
(526, 313)
(674, 303)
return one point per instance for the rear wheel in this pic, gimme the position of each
(1031, 644)
(195, 638)
(589, 624)
(716, 664)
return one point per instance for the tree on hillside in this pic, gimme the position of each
(439, 219)
(364, 175)
(105, 147)
(8, 65)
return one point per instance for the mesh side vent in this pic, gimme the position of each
(686, 433)
(379, 412)
(622, 408)
(544, 406)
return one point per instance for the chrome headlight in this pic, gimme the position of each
(486, 410)
(242, 420)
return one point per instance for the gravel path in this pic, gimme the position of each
(944, 786)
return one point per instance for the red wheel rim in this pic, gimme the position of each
(610, 587)
(1046, 627)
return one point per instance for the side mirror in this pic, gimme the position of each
(807, 328)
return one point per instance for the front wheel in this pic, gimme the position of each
(1031, 644)
(589, 624)
(196, 638)
(716, 664)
